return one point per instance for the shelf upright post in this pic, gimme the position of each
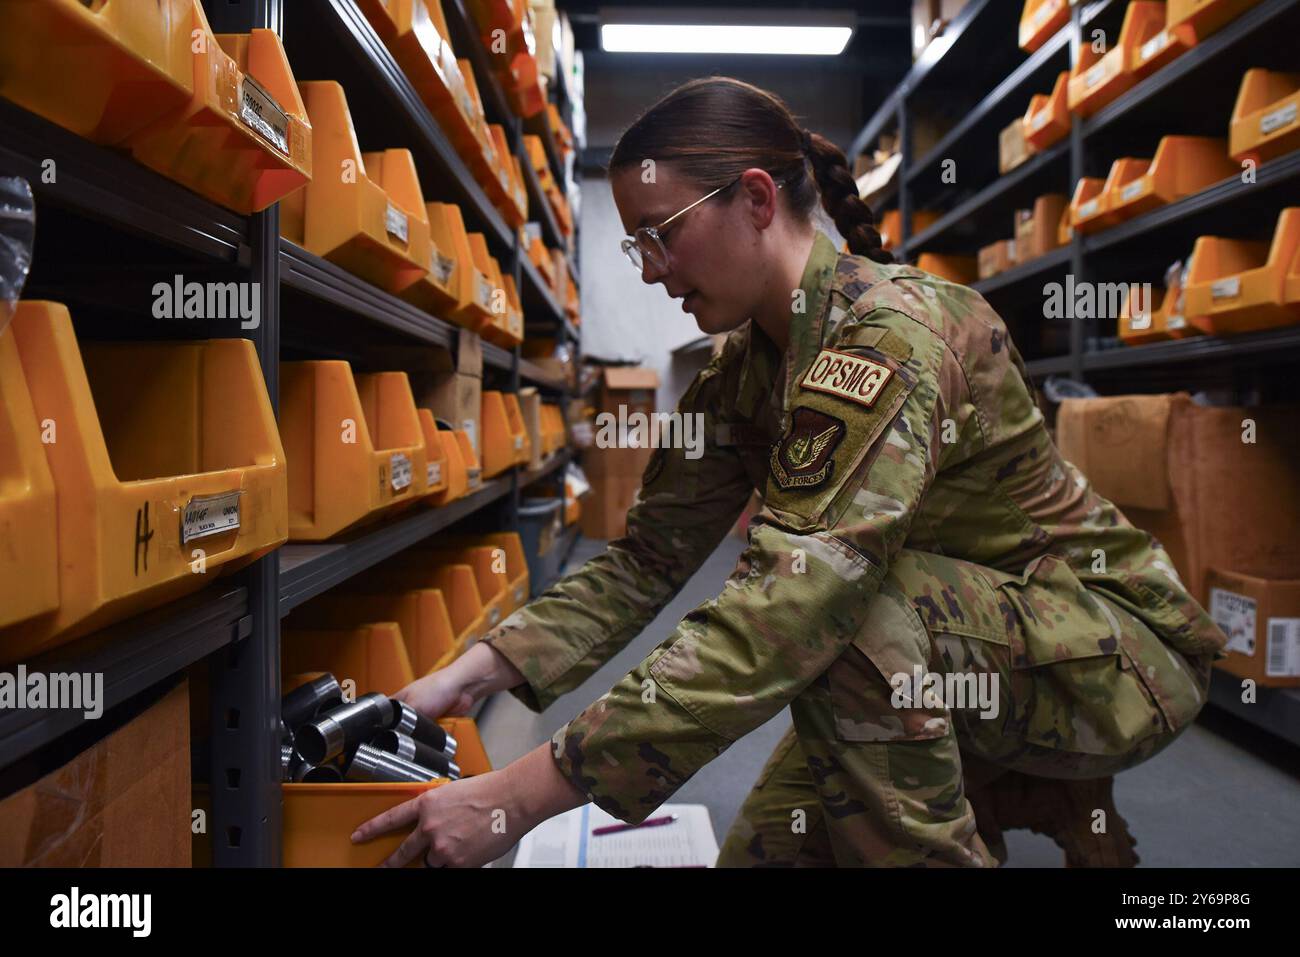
(516, 269)
(244, 766)
(1077, 265)
(904, 165)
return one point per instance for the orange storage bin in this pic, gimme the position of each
(29, 576)
(371, 654)
(166, 463)
(1204, 17)
(509, 196)
(457, 475)
(1040, 21)
(102, 70)
(507, 560)
(1237, 285)
(490, 573)
(1266, 118)
(507, 326)
(500, 451)
(958, 269)
(319, 819)
(1048, 119)
(1182, 165)
(436, 466)
(473, 470)
(365, 211)
(1141, 321)
(435, 291)
(477, 152)
(891, 225)
(1090, 206)
(522, 445)
(1097, 79)
(1160, 48)
(243, 140)
(457, 581)
(469, 282)
(420, 614)
(355, 446)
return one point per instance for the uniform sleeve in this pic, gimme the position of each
(835, 515)
(689, 498)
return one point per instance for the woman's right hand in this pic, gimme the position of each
(453, 690)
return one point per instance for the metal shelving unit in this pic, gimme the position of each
(1192, 94)
(234, 624)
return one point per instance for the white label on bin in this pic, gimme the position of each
(1042, 14)
(261, 114)
(1095, 75)
(474, 477)
(494, 616)
(1133, 189)
(1140, 320)
(1228, 288)
(441, 266)
(1235, 616)
(1283, 658)
(433, 474)
(396, 223)
(1089, 208)
(1176, 320)
(207, 515)
(1282, 116)
(399, 470)
(1153, 46)
(519, 442)
(1041, 119)
(483, 291)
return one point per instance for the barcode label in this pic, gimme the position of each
(1153, 46)
(1041, 15)
(1228, 288)
(1235, 616)
(1283, 660)
(261, 114)
(1132, 189)
(1176, 320)
(1277, 119)
(210, 515)
(399, 470)
(396, 223)
(475, 477)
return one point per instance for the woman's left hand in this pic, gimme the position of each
(461, 824)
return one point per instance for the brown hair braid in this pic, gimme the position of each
(715, 128)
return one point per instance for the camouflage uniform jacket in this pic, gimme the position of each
(899, 417)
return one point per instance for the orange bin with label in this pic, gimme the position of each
(456, 476)
(420, 614)
(243, 140)
(507, 326)
(1238, 285)
(102, 70)
(457, 581)
(469, 282)
(435, 456)
(1141, 321)
(500, 447)
(1204, 17)
(29, 574)
(522, 444)
(1099, 78)
(1266, 117)
(319, 819)
(435, 291)
(1048, 119)
(166, 463)
(958, 269)
(1090, 206)
(355, 446)
(1182, 165)
(1160, 48)
(364, 211)
(1040, 20)
(509, 552)
(372, 654)
(489, 564)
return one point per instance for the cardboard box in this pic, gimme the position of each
(997, 257)
(929, 19)
(1013, 148)
(449, 385)
(1183, 472)
(1261, 618)
(124, 802)
(615, 467)
(1038, 229)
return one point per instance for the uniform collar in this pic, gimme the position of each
(806, 326)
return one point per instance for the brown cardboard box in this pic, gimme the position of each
(1183, 472)
(1037, 229)
(1261, 618)
(124, 802)
(615, 470)
(452, 397)
(451, 386)
(997, 257)
(1013, 148)
(929, 19)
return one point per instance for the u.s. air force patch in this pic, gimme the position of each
(802, 459)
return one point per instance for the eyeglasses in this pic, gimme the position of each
(647, 243)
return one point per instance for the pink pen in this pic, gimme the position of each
(649, 822)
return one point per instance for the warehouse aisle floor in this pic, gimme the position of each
(1217, 796)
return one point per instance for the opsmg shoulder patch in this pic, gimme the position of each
(802, 459)
(856, 378)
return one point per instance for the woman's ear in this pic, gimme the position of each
(759, 193)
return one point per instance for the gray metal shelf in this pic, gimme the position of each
(1276, 345)
(533, 374)
(1024, 272)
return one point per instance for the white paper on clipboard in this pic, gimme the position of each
(567, 841)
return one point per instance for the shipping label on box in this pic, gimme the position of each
(1235, 615)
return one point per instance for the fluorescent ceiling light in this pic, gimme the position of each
(723, 38)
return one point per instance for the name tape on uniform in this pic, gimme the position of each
(857, 378)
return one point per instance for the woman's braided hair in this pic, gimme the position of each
(713, 129)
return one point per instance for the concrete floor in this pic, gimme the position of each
(1226, 794)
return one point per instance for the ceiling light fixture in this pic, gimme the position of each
(695, 30)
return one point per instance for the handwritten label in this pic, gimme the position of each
(396, 223)
(261, 114)
(209, 515)
(399, 470)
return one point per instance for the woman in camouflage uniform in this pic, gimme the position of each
(929, 586)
